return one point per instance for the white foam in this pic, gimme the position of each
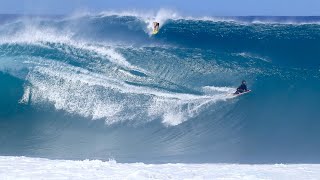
(214, 89)
(249, 55)
(70, 90)
(160, 16)
(175, 111)
(18, 168)
(35, 35)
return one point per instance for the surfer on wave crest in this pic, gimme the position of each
(156, 26)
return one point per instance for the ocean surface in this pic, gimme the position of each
(100, 87)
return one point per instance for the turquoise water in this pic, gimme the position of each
(100, 87)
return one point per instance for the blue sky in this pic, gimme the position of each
(186, 7)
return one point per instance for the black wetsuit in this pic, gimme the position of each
(242, 88)
(156, 27)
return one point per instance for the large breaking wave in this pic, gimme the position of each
(101, 86)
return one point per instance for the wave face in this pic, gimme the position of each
(101, 86)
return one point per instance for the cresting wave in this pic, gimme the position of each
(163, 15)
(92, 92)
(91, 85)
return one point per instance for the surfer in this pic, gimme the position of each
(242, 88)
(156, 26)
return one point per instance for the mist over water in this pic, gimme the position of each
(100, 86)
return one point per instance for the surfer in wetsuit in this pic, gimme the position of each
(242, 88)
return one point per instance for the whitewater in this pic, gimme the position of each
(36, 168)
(79, 90)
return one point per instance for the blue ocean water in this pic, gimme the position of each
(100, 86)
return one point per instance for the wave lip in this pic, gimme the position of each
(163, 15)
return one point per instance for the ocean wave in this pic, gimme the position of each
(67, 87)
(92, 85)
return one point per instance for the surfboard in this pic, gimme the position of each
(155, 32)
(241, 93)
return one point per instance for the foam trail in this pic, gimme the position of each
(213, 89)
(89, 94)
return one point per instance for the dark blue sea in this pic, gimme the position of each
(100, 86)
